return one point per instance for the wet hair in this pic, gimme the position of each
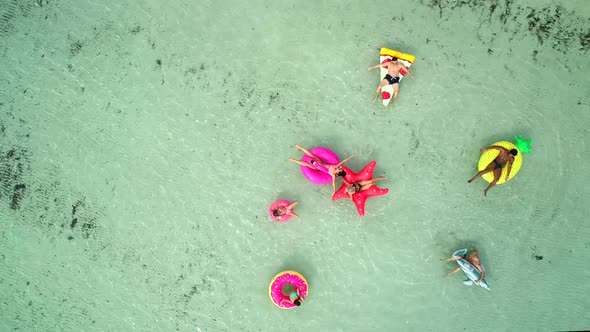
(393, 58)
(297, 302)
(353, 188)
(276, 213)
(514, 152)
(341, 173)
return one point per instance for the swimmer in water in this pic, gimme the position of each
(473, 259)
(333, 170)
(392, 78)
(503, 158)
(357, 187)
(294, 297)
(285, 211)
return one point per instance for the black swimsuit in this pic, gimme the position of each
(357, 187)
(392, 80)
(498, 165)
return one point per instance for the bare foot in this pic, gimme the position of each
(373, 101)
(298, 146)
(485, 193)
(469, 181)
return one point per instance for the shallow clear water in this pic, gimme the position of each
(141, 145)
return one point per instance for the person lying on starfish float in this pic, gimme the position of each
(357, 187)
(333, 170)
(285, 211)
(359, 199)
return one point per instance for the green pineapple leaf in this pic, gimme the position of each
(524, 145)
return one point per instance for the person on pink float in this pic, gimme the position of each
(357, 187)
(294, 296)
(281, 212)
(333, 170)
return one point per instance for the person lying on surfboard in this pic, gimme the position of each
(357, 187)
(333, 170)
(503, 158)
(393, 68)
(473, 259)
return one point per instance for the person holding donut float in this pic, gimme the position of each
(317, 164)
(288, 289)
(294, 296)
(283, 210)
(504, 158)
(357, 187)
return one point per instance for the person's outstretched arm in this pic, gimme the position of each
(510, 162)
(377, 66)
(499, 148)
(344, 161)
(409, 72)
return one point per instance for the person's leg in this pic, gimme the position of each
(497, 173)
(452, 259)
(292, 214)
(304, 150)
(395, 90)
(489, 168)
(292, 205)
(311, 155)
(379, 87)
(303, 163)
(455, 271)
(368, 183)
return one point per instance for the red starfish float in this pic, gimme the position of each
(359, 199)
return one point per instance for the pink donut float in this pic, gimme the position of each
(321, 176)
(275, 289)
(279, 204)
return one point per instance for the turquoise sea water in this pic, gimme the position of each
(142, 143)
